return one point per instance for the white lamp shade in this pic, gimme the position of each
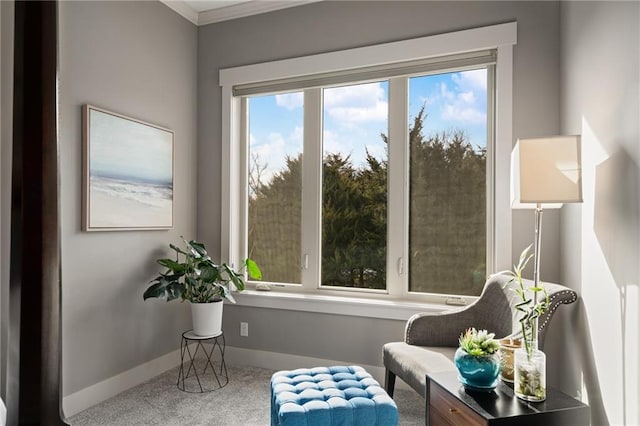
(546, 171)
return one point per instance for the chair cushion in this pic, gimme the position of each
(412, 363)
(327, 396)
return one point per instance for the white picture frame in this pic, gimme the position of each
(128, 173)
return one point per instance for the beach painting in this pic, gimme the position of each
(128, 173)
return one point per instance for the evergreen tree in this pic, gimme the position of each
(447, 226)
(354, 223)
(275, 221)
(447, 217)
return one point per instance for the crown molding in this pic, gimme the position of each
(227, 13)
(183, 9)
(246, 9)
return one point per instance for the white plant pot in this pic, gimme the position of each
(207, 318)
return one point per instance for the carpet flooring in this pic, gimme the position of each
(243, 401)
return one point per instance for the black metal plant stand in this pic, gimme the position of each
(200, 374)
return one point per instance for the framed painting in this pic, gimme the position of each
(127, 173)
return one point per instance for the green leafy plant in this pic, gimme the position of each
(529, 309)
(478, 342)
(193, 276)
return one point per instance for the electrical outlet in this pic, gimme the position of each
(244, 329)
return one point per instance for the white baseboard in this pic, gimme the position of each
(95, 394)
(282, 361)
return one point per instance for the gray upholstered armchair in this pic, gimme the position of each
(431, 339)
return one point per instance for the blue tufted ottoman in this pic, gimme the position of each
(330, 396)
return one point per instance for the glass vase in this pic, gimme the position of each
(507, 350)
(530, 378)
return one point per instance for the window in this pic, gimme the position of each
(354, 186)
(378, 179)
(274, 226)
(448, 144)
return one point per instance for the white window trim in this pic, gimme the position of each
(501, 37)
(357, 305)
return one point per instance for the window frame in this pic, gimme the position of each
(235, 162)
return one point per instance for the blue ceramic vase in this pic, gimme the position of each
(477, 373)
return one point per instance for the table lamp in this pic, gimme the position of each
(545, 173)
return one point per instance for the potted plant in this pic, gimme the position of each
(529, 361)
(477, 360)
(193, 276)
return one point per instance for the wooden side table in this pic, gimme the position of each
(209, 371)
(448, 403)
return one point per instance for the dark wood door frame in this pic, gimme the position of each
(35, 230)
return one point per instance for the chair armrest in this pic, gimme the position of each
(491, 312)
(438, 329)
(558, 295)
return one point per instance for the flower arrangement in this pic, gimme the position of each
(478, 342)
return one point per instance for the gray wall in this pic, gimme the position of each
(138, 59)
(601, 237)
(328, 26)
(324, 336)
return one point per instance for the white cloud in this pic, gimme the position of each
(457, 112)
(331, 144)
(344, 144)
(351, 105)
(297, 136)
(273, 152)
(270, 153)
(352, 115)
(427, 100)
(473, 80)
(461, 102)
(445, 92)
(358, 95)
(467, 97)
(290, 101)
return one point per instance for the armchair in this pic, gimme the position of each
(431, 339)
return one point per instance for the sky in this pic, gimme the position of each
(354, 116)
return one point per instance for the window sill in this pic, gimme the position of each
(337, 305)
